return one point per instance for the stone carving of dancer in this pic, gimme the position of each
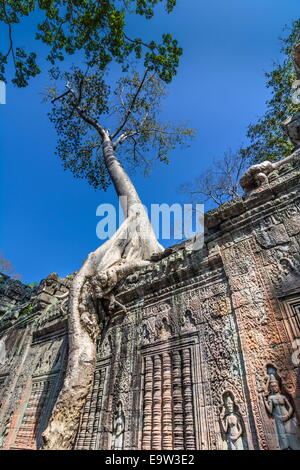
(118, 428)
(281, 410)
(231, 424)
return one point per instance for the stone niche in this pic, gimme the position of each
(207, 355)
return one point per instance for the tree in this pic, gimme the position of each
(220, 182)
(268, 139)
(7, 268)
(95, 31)
(94, 28)
(82, 115)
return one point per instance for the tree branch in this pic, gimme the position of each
(123, 137)
(136, 151)
(11, 48)
(81, 111)
(160, 131)
(60, 96)
(120, 140)
(131, 106)
(138, 41)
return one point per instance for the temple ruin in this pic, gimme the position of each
(206, 355)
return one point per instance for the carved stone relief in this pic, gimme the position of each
(232, 425)
(168, 405)
(202, 358)
(49, 358)
(90, 426)
(279, 407)
(118, 428)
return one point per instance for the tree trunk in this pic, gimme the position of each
(125, 252)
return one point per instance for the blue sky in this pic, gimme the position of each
(48, 218)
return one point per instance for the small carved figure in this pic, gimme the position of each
(118, 428)
(164, 330)
(232, 424)
(280, 408)
(188, 321)
(146, 335)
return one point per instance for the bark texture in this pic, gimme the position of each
(127, 251)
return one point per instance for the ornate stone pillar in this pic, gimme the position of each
(167, 428)
(147, 416)
(189, 431)
(157, 404)
(177, 402)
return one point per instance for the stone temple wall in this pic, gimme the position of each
(204, 358)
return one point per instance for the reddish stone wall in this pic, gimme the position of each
(205, 357)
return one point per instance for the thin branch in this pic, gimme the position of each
(121, 98)
(240, 167)
(131, 105)
(122, 138)
(207, 193)
(84, 116)
(60, 96)
(162, 132)
(63, 21)
(138, 41)
(217, 201)
(80, 91)
(136, 151)
(11, 48)
(81, 111)
(143, 120)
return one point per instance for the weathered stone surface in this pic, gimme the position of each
(204, 358)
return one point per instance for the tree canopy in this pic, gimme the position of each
(95, 33)
(131, 113)
(267, 138)
(94, 27)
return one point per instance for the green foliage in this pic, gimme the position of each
(164, 59)
(96, 28)
(11, 11)
(144, 7)
(33, 284)
(96, 31)
(79, 147)
(268, 140)
(26, 310)
(132, 109)
(147, 134)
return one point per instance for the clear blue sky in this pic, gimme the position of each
(48, 218)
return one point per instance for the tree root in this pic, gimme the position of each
(126, 252)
